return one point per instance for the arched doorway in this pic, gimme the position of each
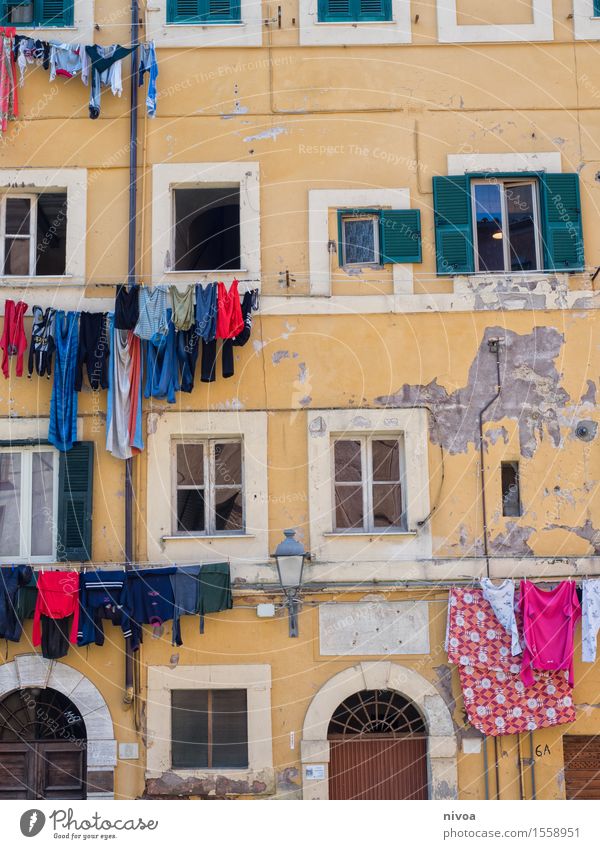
(42, 746)
(377, 748)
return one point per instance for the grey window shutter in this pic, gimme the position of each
(453, 225)
(75, 488)
(400, 235)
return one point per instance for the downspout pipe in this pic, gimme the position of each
(131, 279)
(494, 347)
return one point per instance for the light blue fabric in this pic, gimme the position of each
(152, 323)
(148, 64)
(62, 432)
(206, 311)
(162, 372)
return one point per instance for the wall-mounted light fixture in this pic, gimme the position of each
(290, 556)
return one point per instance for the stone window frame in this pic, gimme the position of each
(381, 675)
(449, 31)
(258, 777)
(322, 33)
(356, 547)
(74, 182)
(250, 547)
(166, 178)
(248, 33)
(586, 25)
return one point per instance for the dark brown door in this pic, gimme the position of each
(372, 767)
(42, 771)
(582, 766)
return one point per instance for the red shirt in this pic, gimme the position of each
(58, 597)
(230, 321)
(13, 339)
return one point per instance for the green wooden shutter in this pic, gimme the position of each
(75, 484)
(373, 10)
(183, 11)
(340, 11)
(222, 11)
(203, 11)
(53, 13)
(597, 8)
(561, 222)
(400, 235)
(331, 11)
(453, 228)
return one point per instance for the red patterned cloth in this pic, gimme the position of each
(496, 700)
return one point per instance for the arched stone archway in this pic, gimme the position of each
(443, 782)
(33, 670)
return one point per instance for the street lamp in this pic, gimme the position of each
(290, 556)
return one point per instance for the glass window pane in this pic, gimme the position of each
(349, 507)
(10, 504)
(228, 509)
(387, 505)
(18, 216)
(230, 728)
(488, 221)
(42, 503)
(386, 460)
(190, 465)
(20, 14)
(348, 462)
(190, 510)
(228, 463)
(521, 226)
(189, 728)
(359, 240)
(51, 245)
(16, 256)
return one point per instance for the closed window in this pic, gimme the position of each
(203, 11)
(28, 503)
(34, 234)
(38, 13)
(339, 11)
(375, 237)
(368, 484)
(507, 225)
(209, 729)
(206, 228)
(208, 496)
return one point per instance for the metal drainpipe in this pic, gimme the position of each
(494, 347)
(532, 760)
(131, 279)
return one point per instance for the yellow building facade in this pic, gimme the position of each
(320, 126)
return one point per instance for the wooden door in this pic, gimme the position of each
(36, 770)
(378, 767)
(582, 766)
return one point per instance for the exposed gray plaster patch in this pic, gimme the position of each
(586, 531)
(513, 540)
(589, 396)
(444, 687)
(531, 392)
(267, 134)
(317, 427)
(360, 421)
(278, 356)
(496, 433)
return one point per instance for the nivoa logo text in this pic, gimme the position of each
(457, 815)
(66, 825)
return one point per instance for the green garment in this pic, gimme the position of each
(26, 599)
(214, 588)
(183, 307)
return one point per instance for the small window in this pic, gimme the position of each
(28, 503)
(209, 487)
(359, 242)
(38, 13)
(507, 226)
(341, 11)
(207, 228)
(34, 234)
(511, 491)
(203, 12)
(209, 729)
(368, 484)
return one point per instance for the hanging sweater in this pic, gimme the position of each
(13, 341)
(62, 432)
(58, 598)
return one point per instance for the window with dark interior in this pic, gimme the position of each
(507, 226)
(207, 228)
(208, 497)
(209, 729)
(368, 484)
(511, 491)
(37, 13)
(34, 234)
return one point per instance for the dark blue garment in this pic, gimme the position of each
(11, 579)
(162, 378)
(62, 432)
(102, 595)
(151, 599)
(206, 311)
(188, 344)
(185, 591)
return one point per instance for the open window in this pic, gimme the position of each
(511, 489)
(206, 228)
(507, 227)
(33, 229)
(368, 473)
